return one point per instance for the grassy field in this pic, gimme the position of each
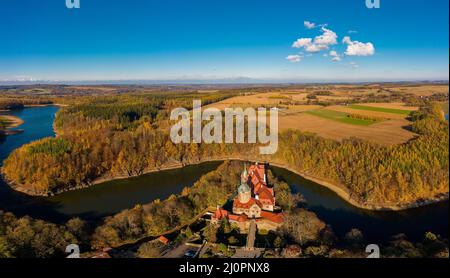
(374, 114)
(331, 122)
(383, 122)
(381, 109)
(388, 133)
(340, 117)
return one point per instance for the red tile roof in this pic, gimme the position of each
(266, 195)
(238, 218)
(220, 213)
(247, 205)
(163, 239)
(258, 171)
(274, 217)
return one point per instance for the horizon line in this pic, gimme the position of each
(233, 81)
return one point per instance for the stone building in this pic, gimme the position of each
(255, 200)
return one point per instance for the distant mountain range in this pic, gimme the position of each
(218, 81)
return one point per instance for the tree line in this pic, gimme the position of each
(26, 237)
(100, 139)
(216, 188)
(302, 234)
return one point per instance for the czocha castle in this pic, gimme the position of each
(255, 201)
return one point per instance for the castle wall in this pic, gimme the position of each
(261, 224)
(267, 225)
(267, 207)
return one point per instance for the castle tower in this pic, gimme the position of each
(244, 175)
(244, 193)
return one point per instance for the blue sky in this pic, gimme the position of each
(223, 39)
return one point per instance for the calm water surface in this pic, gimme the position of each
(110, 197)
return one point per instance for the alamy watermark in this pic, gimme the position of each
(73, 250)
(373, 250)
(73, 4)
(370, 4)
(373, 4)
(258, 129)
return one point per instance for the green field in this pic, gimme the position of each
(381, 109)
(339, 117)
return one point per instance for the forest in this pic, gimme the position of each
(213, 189)
(128, 135)
(302, 234)
(13, 103)
(159, 216)
(26, 237)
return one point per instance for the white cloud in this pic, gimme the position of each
(22, 78)
(346, 40)
(327, 38)
(352, 31)
(335, 56)
(356, 48)
(325, 41)
(309, 25)
(319, 43)
(294, 58)
(314, 48)
(354, 65)
(302, 42)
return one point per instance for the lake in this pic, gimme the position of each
(110, 197)
(376, 225)
(94, 202)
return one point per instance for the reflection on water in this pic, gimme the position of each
(110, 197)
(342, 216)
(38, 123)
(113, 196)
(94, 202)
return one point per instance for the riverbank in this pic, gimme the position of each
(336, 188)
(346, 195)
(34, 106)
(44, 105)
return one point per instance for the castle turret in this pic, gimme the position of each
(244, 175)
(244, 193)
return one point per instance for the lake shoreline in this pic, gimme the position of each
(34, 106)
(44, 105)
(337, 189)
